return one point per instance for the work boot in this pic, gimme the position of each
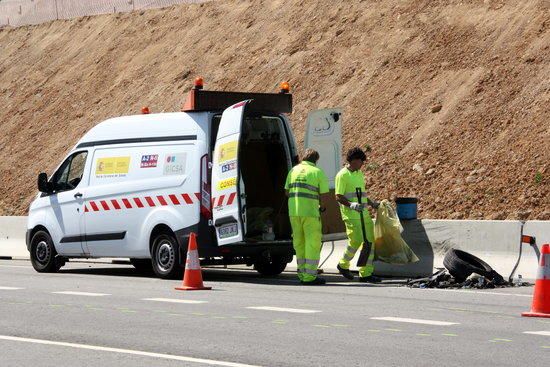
(345, 272)
(370, 279)
(316, 281)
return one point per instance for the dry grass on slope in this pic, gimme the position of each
(485, 154)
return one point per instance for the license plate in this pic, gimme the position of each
(228, 230)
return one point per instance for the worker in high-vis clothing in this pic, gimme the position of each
(347, 180)
(305, 187)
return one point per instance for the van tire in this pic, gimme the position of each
(143, 266)
(43, 254)
(164, 256)
(270, 266)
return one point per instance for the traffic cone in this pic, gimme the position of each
(192, 278)
(541, 296)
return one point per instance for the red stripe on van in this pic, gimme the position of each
(127, 204)
(94, 207)
(115, 204)
(231, 198)
(237, 105)
(198, 195)
(149, 201)
(220, 200)
(161, 200)
(174, 199)
(138, 202)
(105, 205)
(187, 198)
(212, 201)
(86, 209)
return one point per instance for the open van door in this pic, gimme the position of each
(227, 208)
(324, 134)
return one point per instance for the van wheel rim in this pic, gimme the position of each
(42, 252)
(165, 256)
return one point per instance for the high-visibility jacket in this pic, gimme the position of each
(346, 183)
(305, 182)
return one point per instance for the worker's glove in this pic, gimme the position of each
(356, 206)
(374, 204)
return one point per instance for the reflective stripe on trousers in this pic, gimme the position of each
(306, 239)
(355, 237)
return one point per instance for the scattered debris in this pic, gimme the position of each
(465, 271)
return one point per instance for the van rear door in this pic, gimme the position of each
(324, 134)
(226, 181)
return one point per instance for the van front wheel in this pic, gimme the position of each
(165, 256)
(43, 253)
(272, 266)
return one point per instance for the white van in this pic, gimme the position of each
(137, 186)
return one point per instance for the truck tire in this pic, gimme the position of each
(164, 256)
(462, 264)
(43, 254)
(270, 266)
(143, 266)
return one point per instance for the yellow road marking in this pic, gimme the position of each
(449, 334)
(323, 326)
(422, 334)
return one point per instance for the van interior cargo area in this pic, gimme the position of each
(264, 162)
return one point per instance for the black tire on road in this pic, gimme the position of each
(165, 260)
(43, 253)
(270, 267)
(144, 266)
(462, 264)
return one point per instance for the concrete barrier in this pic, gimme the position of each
(12, 237)
(496, 242)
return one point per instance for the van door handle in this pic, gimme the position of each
(78, 195)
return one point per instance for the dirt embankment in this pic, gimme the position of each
(452, 96)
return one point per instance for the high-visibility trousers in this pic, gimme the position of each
(355, 238)
(306, 238)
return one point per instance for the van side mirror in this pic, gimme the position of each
(43, 184)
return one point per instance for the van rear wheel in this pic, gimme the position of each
(272, 266)
(43, 253)
(165, 256)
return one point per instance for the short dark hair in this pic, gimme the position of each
(310, 155)
(356, 153)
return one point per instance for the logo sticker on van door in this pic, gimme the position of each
(174, 164)
(149, 160)
(227, 152)
(112, 166)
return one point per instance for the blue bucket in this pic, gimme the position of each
(406, 208)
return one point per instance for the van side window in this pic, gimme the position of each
(70, 173)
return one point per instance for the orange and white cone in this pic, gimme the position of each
(192, 278)
(541, 296)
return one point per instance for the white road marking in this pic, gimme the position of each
(14, 266)
(9, 288)
(173, 300)
(546, 333)
(82, 294)
(415, 321)
(281, 309)
(471, 292)
(211, 362)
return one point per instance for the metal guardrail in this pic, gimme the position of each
(16, 13)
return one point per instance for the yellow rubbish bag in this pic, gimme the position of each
(389, 245)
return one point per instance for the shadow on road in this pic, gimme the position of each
(230, 275)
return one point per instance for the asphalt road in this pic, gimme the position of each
(107, 315)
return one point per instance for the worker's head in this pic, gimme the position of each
(356, 157)
(311, 156)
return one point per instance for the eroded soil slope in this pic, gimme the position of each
(485, 65)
